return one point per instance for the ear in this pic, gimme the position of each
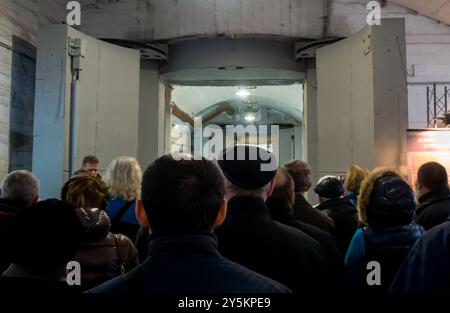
(36, 199)
(222, 213)
(271, 188)
(308, 187)
(140, 213)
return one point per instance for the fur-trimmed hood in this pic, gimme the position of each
(368, 186)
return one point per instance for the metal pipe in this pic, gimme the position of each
(73, 135)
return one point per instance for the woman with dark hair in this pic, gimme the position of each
(102, 255)
(386, 205)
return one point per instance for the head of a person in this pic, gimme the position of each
(386, 199)
(283, 195)
(249, 171)
(354, 178)
(22, 187)
(329, 187)
(301, 173)
(431, 177)
(182, 196)
(91, 164)
(45, 236)
(124, 177)
(85, 191)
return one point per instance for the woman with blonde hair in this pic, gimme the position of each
(124, 177)
(353, 181)
(102, 255)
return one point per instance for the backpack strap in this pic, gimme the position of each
(121, 212)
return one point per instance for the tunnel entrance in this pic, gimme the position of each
(264, 115)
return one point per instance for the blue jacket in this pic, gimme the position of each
(388, 245)
(427, 267)
(189, 264)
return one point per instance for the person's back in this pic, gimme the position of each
(250, 237)
(18, 190)
(433, 194)
(123, 176)
(426, 269)
(45, 240)
(182, 200)
(280, 208)
(387, 208)
(186, 265)
(102, 255)
(343, 213)
(303, 210)
(306, 213)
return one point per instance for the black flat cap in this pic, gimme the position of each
(248, 167)
(330, 187)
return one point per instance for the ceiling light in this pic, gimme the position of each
(250, 117)
(243, 93)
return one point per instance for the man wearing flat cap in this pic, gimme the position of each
(330, 190)
(250, 237)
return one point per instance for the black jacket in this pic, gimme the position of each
(306, 213)
(345, 218)
(426, 269)
(434, 209)
(284, 214)
(8, 211)
(102, 254)
(188, 265)
(250, 237)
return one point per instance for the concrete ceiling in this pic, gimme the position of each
(436, 9)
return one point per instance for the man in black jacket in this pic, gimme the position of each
(433, 195)
(19, 190)
(331, 191)
(303, 210)
(250, 237)
(280, 206)
(182, 201)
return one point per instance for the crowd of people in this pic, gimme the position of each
(197, 226)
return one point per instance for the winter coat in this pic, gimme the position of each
(189, 264)
(102, 255)
(345, 217)
(8, 211)
(426, 269)
(282, 213)
(434, 209)
(250, 237)
(387, 245)
(306, 213)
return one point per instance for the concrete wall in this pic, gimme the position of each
(147, 20)
(19, 22)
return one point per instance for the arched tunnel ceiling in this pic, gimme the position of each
(436, 9)
(193, 100)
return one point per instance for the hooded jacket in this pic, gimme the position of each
(386, 205)
(102, 255)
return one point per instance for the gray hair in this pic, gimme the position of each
(20, 186)
(234, 190)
